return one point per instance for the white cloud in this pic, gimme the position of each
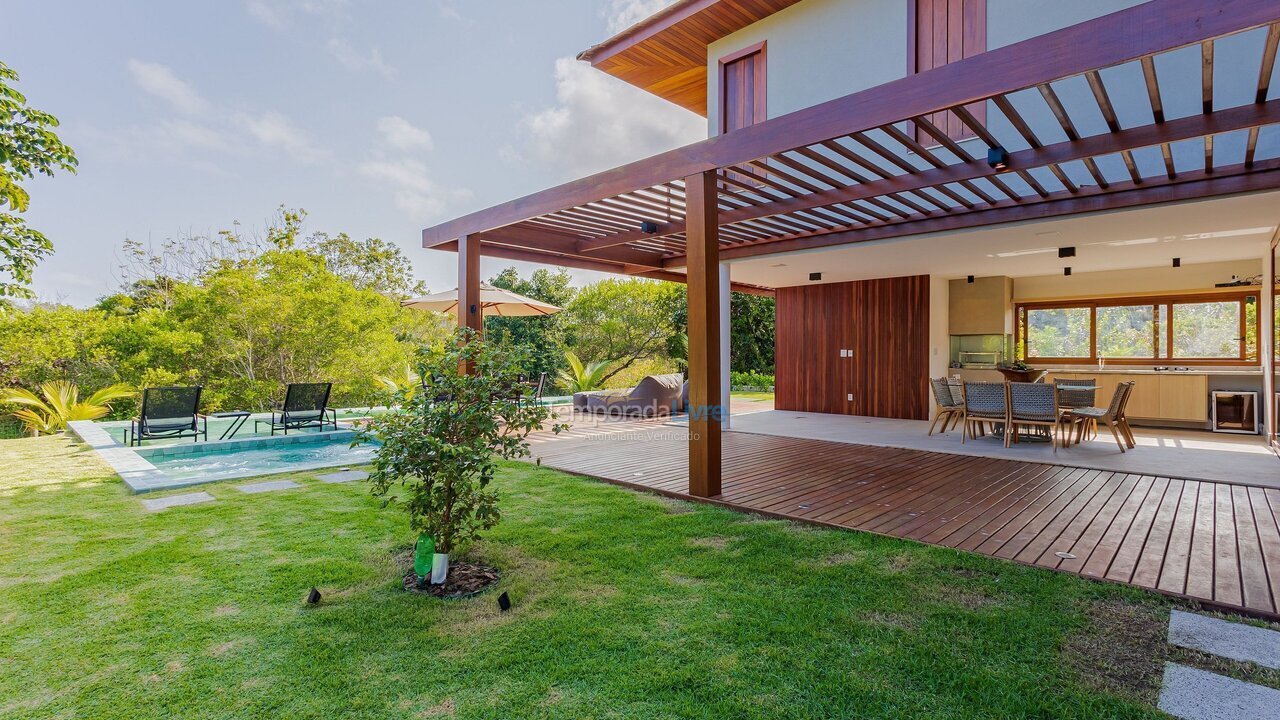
(274, 129)
(622, 14)
(160, 81)
(352, 59)
(599, 122)
(414, 191)
(403, 135)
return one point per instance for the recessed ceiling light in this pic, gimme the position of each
(778, 265)
(1020, 253)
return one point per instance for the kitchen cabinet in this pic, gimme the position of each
(1182, 397)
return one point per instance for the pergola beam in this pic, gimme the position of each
(1194, 126)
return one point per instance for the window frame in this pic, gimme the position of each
(1155, 301)
(760, 84)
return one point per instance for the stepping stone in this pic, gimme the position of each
(1193, 694)
(164, 503)
(269, 486)
(343, 476)
(1226, 639)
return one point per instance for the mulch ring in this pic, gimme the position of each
(465, 580)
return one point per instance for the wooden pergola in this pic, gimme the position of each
(871, 166)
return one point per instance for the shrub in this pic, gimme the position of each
(439, 446)
(751, 380)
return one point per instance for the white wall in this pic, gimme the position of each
(1145, 280)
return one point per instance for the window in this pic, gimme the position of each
(1220, 328)
(742, 88)
(1058, 333)
(1127, 331)
(943, 32)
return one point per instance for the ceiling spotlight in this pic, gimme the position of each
(998, 158)
(648, 227)
(1177, 262)
(1066, 271)
(815, 276)
(969, 279)
(1066, 252)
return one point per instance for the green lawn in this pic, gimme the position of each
(757, 396)
(626, 606)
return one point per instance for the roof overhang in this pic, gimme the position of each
(666, 54)
(850, 170)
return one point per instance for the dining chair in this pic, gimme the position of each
(985, 405)
(1110, 416)
(949, 409)
(1033, 405)
(1070, 399)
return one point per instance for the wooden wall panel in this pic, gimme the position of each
(891, 347)
(943, 32)
(886, 324)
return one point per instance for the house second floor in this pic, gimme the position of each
(740, 62)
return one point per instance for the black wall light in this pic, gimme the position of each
(998, 158)
(1066, 252)
(969, 279)
(1177, 262)
(648, 227)
(1066, 271)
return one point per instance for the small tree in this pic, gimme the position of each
(440, 446)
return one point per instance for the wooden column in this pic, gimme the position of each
(703, 253)
(470, 315)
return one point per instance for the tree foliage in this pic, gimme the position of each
(439, 447)
(242, 316)
(544, 335)
(28, 146)
(623, 321)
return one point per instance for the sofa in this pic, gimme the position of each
(655, 395)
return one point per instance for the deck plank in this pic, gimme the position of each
(1214, 542)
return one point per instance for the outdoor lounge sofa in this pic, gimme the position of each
(306, 405)
(655, 395)
(169, 413)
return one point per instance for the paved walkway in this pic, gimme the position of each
(1209, 541)
(1194, 694)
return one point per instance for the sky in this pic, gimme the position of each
(379, 118)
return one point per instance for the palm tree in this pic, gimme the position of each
(409, 383)
(61, 404)
(581, 378)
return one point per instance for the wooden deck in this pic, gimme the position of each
(1213, 542)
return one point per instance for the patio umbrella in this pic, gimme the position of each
(493, 302)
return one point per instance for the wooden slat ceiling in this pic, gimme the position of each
(851, 170)
(666, 54)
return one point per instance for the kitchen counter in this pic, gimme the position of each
(1145, 370)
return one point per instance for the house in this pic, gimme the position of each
(934, 187)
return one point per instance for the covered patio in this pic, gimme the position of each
(1077, 127)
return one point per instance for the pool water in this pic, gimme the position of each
(217, 426)
(211, 462)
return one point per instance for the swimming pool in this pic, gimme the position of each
(220, 426)
(210, 462)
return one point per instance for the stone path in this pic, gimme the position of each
(268, 486)
(164, 503)
(1194, 694)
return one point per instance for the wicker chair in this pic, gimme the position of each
(1033, 405)
(1112, 417)
(949, 409)
(985, 405)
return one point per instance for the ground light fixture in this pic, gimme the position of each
(998, 158)
(313, 597)
(504, 602)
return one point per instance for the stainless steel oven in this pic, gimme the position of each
(987, 360)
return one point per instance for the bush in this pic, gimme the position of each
(440, 445)
(751, 380)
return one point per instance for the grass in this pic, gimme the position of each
(625, 606)
(758, 396)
